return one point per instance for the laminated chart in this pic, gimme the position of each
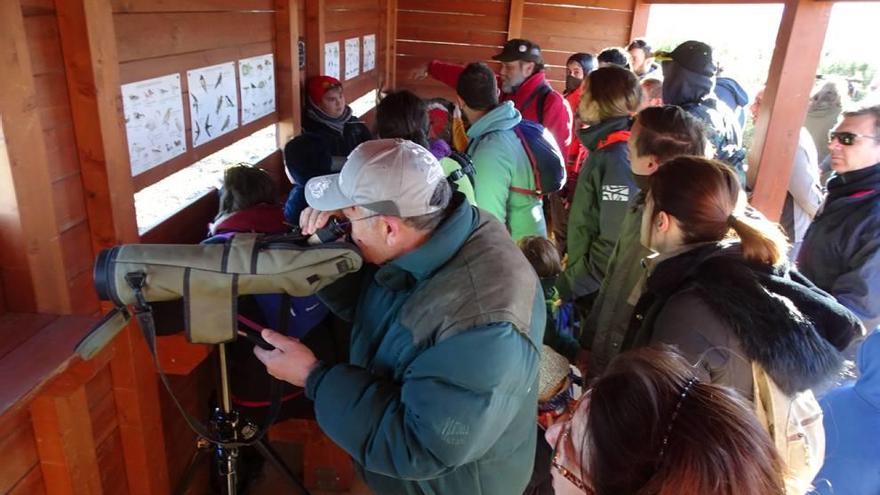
(213, 101)
(352, 58)
(154, 124)
(256, 76)
(331, 59)
(369, 52)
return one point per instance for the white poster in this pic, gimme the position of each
(153, 111)
(331, 59)
(256, 75)
(369, 52)
(213, 101)
(352, 58)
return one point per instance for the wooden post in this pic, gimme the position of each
(33, 265)
(88, 43)
(784, 107)
(315, 37)
(641, 12)
(390, 75)
(515, 19)
(287, 70)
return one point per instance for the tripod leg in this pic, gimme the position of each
(190, 471)
(269, 453)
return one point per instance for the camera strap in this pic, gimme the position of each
(144, 314)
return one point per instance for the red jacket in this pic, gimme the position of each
(577, 153)
(557, 113)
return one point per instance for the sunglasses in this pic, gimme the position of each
(848, 138)
(564, 443)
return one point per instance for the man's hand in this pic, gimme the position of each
(290, 361)
(310, 220)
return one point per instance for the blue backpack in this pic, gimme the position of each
(546, 160)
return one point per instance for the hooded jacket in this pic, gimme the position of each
(841, 249)
(557, 116)
(724, 312)
(499, 163)
(604, 190)
(440, 394)
(852, 429)
(693, 92)
(729, 92)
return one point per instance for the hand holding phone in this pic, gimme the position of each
(248, 329)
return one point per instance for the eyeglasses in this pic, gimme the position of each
(564, 439)
(848, 138)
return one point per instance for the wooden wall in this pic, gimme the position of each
(467, 31)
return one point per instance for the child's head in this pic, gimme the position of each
(307, 156)
(542, 254)
(245, 186)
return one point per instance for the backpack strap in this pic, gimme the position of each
(614, 137)
(533, 162)
(540, 93)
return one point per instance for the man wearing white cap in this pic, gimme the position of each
(439, 395)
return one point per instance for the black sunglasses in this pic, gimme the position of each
(848, 138)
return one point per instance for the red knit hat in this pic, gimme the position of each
(318, 86)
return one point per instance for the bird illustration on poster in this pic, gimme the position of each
(256, 76)
(331, 59)
(213, 101)
(153, 111)
(369, 52)
(352, 58)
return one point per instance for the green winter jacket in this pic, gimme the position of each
(463, 184)
(440, 394)
(604, 189)
(501, 162)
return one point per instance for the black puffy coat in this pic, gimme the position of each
(724, 312)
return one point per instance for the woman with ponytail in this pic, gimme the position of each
(722, 291)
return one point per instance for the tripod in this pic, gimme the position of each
(227, 426)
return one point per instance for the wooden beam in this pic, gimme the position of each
(390, 75)
(784, 107)
(515, 19)
(89, 48)
(288, 86)
(32, 263)
(641, 13)
(316, 36)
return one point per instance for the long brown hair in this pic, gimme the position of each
(245, 186)
(652, 428)
(703, 196)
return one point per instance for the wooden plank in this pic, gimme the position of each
(579, 31)
(91, 63)
(77, 250)
(141, 36)
(571, 45)
(607, 4)
(16, 328)
(315, 37)
(784, 107)
(31, 8)
(136, 393)
(287, 74)
(389, 54)
(138, 70)
(353, 5)
(113, 478)
(447, 35)
(366, 22)
(31, 484)
(44, 44)
(497, 9)
(193, 155)
(102, 409)
(582, 15)
(446, 52)
(178, 357)
(24, 175)
(188, 225)
(84, 300)
(640, 15)
(69, 204)
(18, 440)
(515, 19)
(145, 6)
(63, 430)
(478, 22)
(61, 151)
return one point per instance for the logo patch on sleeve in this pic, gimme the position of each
(615, 193)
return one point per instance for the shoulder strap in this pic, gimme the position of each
(533, 162)
(614, 137)
(540, 93)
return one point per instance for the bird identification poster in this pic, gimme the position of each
(331, 59)
(369, 52)
(256, 75)
(213, 101)
(153, 111)
(352, 58)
